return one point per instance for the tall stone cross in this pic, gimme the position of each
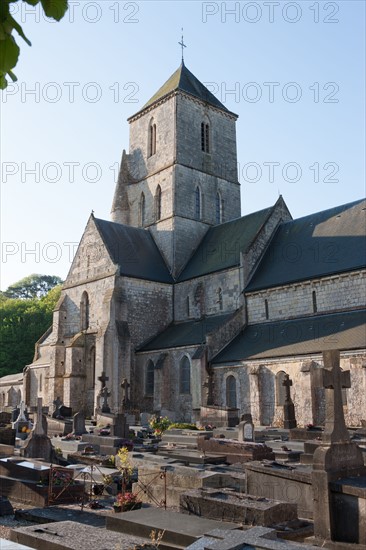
(38, 425)
(287, 382)
(333, 379)
(103, 379)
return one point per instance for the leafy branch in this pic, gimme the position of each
(9, 49)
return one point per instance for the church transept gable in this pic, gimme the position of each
(92, 259)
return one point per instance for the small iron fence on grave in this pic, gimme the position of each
(145, 483)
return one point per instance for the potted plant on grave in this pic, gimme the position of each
(126, 501)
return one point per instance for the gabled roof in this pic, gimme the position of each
(182, 79)
(188, 333)
(221, 246)
(134, 251)
(321, 244)
(303, 336)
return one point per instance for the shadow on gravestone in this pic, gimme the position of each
(337, 458)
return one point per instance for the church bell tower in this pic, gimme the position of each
(180, 175)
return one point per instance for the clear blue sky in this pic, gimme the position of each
(302, 61)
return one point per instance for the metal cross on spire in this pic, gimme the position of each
(182, 44)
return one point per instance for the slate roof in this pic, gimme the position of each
(182, 79)
(221, 246)
(303, 336)
(324, 243)
(187, 333)
(134, 251)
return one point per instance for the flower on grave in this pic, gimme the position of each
(159, 424)
(62, 478)
(126, 498)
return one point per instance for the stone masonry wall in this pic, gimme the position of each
(257, 391)
(221, 160)
(186, 181)
(227, 280)
(295, 300)
(163, 115)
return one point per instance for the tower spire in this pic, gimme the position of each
(182, 44)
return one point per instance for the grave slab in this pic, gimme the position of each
(238, 507)
(235, 451)
(257, 537)
(68, 535)
(179, 529)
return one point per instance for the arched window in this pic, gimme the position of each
(315, 307)
(84, 311)
(142, 210)
(231, 392)
(218, 208)
(185, 375)
(205, 137)
(158, 203)
(198, 209)
(152, 138)
(220, 299)
(149, 378)
(280, 389)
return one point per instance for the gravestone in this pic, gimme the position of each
(38, 444)
(78, 423)
(338, 457)
(145, 418)
(120, 426)
(57, 403)
(21, 422)
(289, 419)
(246, 428)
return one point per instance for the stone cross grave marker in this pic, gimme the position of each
(105, 393)
(38, 424)
(338, 457)
(289, 419)
(333, 379)
(103, 379)
(44, 417)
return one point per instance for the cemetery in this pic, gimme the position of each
(223, 487)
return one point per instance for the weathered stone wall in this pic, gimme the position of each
(295, 300)
(229, 283)
(163, 115)
(186, 181)
(167, 397)
(221, 160)
(149, 186)
(257, 391)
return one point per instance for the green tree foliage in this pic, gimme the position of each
(33, 286)
(9, 49)
(22, 323)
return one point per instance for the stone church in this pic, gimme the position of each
(193, 304)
